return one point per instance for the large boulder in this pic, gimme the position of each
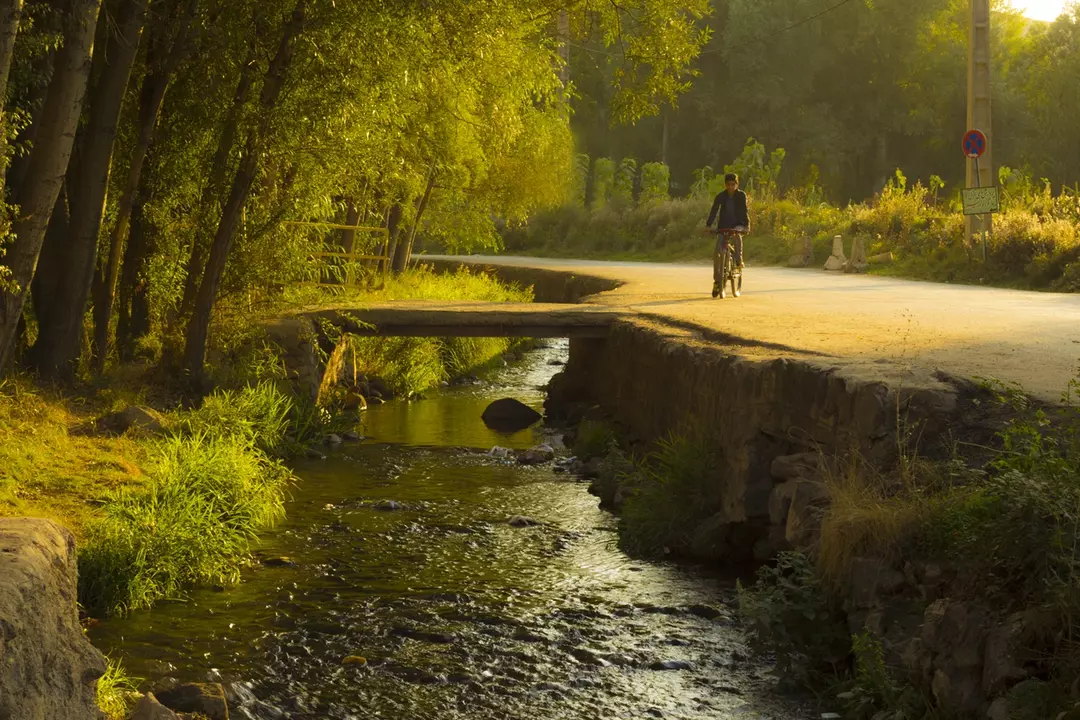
(510, 416)
(48, 669)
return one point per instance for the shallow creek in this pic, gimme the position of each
(397, 550)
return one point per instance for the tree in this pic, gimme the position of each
(47, 164)
(60, 321)
(273, 83)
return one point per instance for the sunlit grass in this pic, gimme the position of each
(48, 471)
(116, 691)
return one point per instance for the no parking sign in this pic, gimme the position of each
(974, 143)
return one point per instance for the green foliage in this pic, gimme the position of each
(1035, 243)
(603, 182)
(116, 690)
(758, 171)
(254, 417)
(593, 439)
(675, 489)
(655, 183)
(192, 523)
(874, 687)
(1018, 529)
(788, 613)
(581, 180)
(622, 189)
(1036, 699)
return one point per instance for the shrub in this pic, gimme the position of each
(655, 183)
(593, 439)
(676, 489)
(788, 613)
(603, 182)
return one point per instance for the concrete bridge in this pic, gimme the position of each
(471, 319)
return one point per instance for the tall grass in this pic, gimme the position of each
(116, 691)
(255, 416)
(211, 488)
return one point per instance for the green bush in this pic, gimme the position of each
(788, 613)
(655, 183)
(192, 523)
(603, 182)
(593, 439)
(676, 488)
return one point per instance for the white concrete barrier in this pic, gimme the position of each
(837, 260)
(858, 261)
(804, 258)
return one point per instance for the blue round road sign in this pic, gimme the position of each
(974, 143)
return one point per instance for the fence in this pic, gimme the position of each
(353, 255)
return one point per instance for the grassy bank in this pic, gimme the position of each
(158, 513)
(1035, 243)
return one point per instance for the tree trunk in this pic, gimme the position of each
(352, 217)
(10, 15)
(393, 228)
(133, 321)
(403, 251)
(162, 61)
(60, 333)
(199, 327)
(43, 288)
(215, 184)
(48, 162)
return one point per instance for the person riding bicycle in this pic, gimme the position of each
(730, 212)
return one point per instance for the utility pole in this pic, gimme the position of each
(978, 108)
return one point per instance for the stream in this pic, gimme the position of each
(396, 554)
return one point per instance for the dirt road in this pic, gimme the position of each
(884, 326)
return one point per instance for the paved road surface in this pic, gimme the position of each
(886, 326)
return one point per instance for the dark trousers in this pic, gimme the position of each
(718, 270)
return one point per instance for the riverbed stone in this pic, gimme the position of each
(509, 416)
(148, 708)
(204, 698)
(138, 420)
(48, 669)
(538, 455)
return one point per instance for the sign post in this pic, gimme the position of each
(979, 201)
(979, 106)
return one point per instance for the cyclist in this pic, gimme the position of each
(730, 212)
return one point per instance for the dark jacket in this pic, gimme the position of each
(742, 216)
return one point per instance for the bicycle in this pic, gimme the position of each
(724, 265)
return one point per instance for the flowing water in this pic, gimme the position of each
(397, 550)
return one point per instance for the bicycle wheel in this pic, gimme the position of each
(725, 266)
(736, 280)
